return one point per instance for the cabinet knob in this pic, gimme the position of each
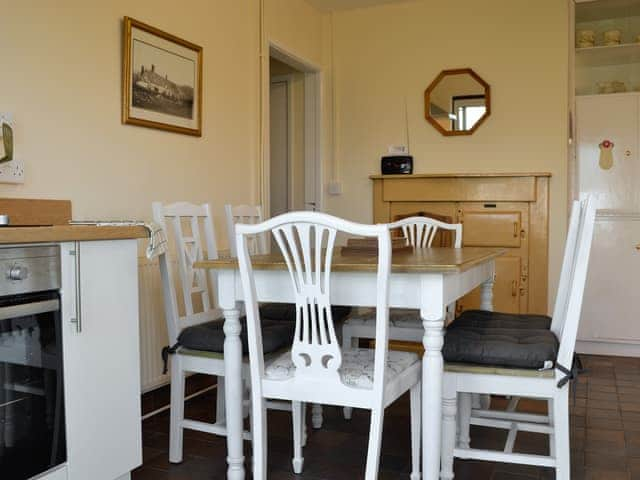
(18, 272)
(627, 153)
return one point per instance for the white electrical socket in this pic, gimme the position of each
(334, 187)
(13, 171)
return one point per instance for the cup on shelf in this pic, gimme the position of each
(614, 86)
(585, 44)
(586, 36)
(612, 37)
(604, 87)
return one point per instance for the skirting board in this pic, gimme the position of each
(608, 348)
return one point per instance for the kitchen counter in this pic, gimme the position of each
(68, 233)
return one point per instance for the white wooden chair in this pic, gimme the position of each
(478, 416)
(191, 233)
(317, 369)
(550, 384)
(405, 325)
(258, 245)
(247, 214)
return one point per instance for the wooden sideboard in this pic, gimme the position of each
(509, 210)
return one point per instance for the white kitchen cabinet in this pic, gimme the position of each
(609, 322)
(101, 358)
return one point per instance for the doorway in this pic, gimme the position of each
(291, 158)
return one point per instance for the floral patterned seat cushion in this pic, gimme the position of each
(356, 370)
(398, 317)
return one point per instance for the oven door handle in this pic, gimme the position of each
(34, 308)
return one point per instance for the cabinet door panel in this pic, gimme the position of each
(613, 118)
(506, 290)
(102, 363)
(491, 229)
(609, 311)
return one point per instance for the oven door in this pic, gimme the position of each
(32, 426)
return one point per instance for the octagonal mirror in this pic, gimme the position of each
(457, 102)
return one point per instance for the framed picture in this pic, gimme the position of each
(161, 81)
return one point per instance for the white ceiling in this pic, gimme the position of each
(327, 5)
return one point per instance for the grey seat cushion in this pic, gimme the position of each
(486, 319)
(209, 336)
(507, 347)
(287, 311)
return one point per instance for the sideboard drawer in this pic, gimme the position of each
(491, 228)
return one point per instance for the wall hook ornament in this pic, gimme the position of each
(606, 154)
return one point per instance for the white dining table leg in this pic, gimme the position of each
(486, 294)
(233, 393)
(486, 303)
(432, 313)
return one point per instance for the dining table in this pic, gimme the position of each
(427, 279)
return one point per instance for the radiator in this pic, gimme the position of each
(153, 328)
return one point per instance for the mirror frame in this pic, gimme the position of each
(434, 84)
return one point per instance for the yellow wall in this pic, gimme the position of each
(388, 54)
(60, 77)
(296, 26)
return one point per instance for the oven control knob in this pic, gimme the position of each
(18, 273)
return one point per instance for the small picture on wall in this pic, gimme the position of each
(162, 80)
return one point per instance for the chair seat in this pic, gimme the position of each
(398, 317)
(209, 336)
(287, 311)
(487, 319)
(356, 370)
(505, 347)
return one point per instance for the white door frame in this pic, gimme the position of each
(312, 124)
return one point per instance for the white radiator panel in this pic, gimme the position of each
(153, 327)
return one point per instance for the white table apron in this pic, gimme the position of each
(429, 292)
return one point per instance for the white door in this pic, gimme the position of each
(101, 358)
(609, 315)
(279, 141)
(613, 118)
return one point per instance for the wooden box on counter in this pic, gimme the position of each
(509, 210)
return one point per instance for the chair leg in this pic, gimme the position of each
(316, 416)
(259, 436)
(552, 437)
(449, 397)
(464, 412)
(347, 343)
(304, 424)
(375, 443)
(416, 429)
(177, 411)
(561, 432)
(347, 412)
(220, 406)
(298, 426)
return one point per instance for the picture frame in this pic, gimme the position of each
(161, 80)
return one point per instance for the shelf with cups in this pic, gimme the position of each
(599, 56)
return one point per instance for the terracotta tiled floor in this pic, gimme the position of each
(605, 442)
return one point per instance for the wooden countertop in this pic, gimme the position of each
(463, 175)
(420, 260)
(67, 233)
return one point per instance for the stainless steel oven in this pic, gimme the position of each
(32, 426)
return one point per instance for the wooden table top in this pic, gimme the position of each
(419, 260)
(68, 233)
